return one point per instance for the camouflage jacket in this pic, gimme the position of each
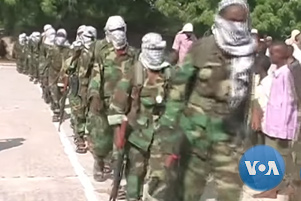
(27, 52)
(35, 51)
(145, 105)
(198, 98)
(84, 64)
(108, 69)
(43, 53)
(58, 55)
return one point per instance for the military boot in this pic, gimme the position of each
(56, 118)
(46, 96)
(80, 144)
(72, 123)
(98, 170)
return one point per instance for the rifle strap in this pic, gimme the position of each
(139, 74)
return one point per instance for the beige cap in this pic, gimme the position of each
(187, 28)
(254, 31)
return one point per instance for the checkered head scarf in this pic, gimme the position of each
(115, 31)
(235, 39)
(35, 37)
(89, 35)
(50, 36)
(152, 51)
(80, 31)
(22, 39)
(61, 37)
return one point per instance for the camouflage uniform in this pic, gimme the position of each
(203, 114)
(107, 71)
(64, 75)
(78, 96)
(18, 54)
(46, 45)
(27, 57)
(58, 54)
(34, 61)
(142, 147)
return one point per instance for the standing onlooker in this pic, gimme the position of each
(294, 41)
(295, 68)
(281, 113)
(280, 124)
(261, 91)
(294, 35)
(268, 41)
(254, 33)
(182, 43)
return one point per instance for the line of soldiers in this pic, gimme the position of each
(167, 128)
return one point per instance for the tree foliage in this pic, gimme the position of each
(276, 18)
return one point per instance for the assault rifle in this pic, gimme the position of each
(66, 91)
(119, 168)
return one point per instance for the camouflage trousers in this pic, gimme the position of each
(99, 132)
(26, 65)
(20, 63)
(148, 166)
(78, 110)
(55, 92)
(136, 168)
(225, 183)
(43, 77)
(34, 68)
(43, 72)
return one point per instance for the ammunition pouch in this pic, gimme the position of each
(74, 84)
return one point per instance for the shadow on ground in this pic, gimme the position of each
(10, 143)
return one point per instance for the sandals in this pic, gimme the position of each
(80, 144)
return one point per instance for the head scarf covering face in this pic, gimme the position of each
(88, 36)
(22, 39)
(80, 31)
(235, 39)
(152, 51)
(47, 27)
(49, 37)
(115, 31)
(61, 37)
(35, 37)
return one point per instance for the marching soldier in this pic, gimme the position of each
(112, 58)
(207, 101)
(80, 69)
(35, 38)
(140, 97)
(56, 56)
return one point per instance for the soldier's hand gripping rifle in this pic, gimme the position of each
(63, 101)
(66, 89)
(172, 164)
(121, 131)
(119, 168)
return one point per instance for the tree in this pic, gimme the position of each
(277, 18)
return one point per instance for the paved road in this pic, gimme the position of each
(38, 162)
